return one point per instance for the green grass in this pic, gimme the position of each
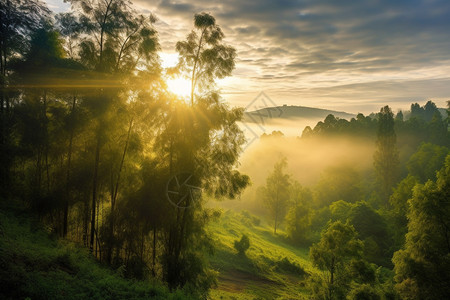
(271, 268)
(33, 265)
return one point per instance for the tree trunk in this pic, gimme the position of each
(115, 191)
(154, 252)
(275, 225)
(330, 290)
(94, 193)
(46, 141)
(69, 160)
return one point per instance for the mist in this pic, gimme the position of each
(307, 159)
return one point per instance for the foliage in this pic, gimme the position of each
(338, 183)
(298, 218)
(386, 160)
(97, 137)
(37, 266)
(428, 159)
(363, 291)
(421, 268)
(337, 246)
(275, 194)
(373, 230)
(286, 265)
(242, 245)
(203, 56)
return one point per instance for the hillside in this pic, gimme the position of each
(292, 112)
(271, 268)
(35, 265)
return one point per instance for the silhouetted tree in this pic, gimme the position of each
(18, 19)
(275, 194)
(242, 245)
(386, 157)
(203, 56)
(117, 40)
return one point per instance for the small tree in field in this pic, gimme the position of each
(275, 193)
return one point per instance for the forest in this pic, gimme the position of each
(115, 187)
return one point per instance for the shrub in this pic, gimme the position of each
(363, 291)
(249, 219)
(289, 267)
(242, 245)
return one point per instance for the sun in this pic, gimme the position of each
(179, 86)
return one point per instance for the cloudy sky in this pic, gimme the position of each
(345, 55)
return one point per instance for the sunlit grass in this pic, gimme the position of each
(256, 274)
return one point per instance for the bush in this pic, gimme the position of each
(249, 219)
(363, 291)
(289, 267)
(242, 245)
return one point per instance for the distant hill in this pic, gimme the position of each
(292, 112)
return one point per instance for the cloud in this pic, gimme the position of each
(294, 47)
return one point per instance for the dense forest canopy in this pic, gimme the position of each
(104, 155)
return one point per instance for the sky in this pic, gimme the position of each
(346, 55)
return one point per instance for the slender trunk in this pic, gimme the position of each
(154, 252)
(96, 230)
(94, 192)
(69, 160)
(102, 31)
(46, 141)
(116, 189)
(142, 244)
(275, 227)
(276, 212)
(5, 161)
(86, 222)
(331, 278)
(194, 68)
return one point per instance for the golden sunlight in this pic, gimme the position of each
(179, 86)
(168, 60)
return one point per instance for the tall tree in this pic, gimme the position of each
(338, 245)
(201, 143)
(275, 193)
(421, 267)
(116, 39)
(42, 63)
(18, 18)
(298, 218)
(386, 157)
(203, 56)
